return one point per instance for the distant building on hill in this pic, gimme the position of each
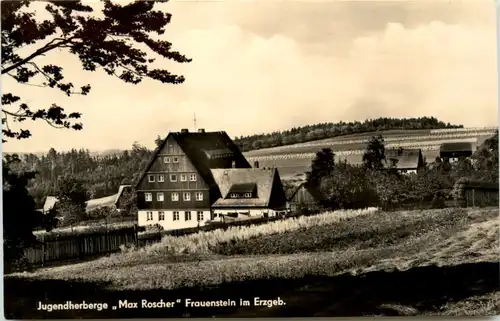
(405, 161)
(195, 176)
(455, 151)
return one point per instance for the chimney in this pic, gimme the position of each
(233, 165)
(256, 164)
(184, 130)
(201, 130)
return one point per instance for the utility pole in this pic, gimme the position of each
(194, 121)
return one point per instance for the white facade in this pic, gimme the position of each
(261, 212)
(174, 220)
(409, 171)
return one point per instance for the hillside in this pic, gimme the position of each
(340, 129)
(294, 159)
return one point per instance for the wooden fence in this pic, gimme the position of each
(80, 246)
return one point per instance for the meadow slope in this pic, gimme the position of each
(433, 262)
(294, 159)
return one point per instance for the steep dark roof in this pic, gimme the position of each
(199, 147)
(456, 147)
(314, 191)
(261, 179)
(407, 158)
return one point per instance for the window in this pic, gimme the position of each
(187, 196)
(175, 197)
(148, 197)
(173, 177)
(159, 197)
(161, 216)
(192, 177)
(161, 178)
(187, 216)
(199, 196)
(175, 159)
(248, 195)
(234, 195)
(200, 216)
(166, 159)
(176, 216)
(149, 216)
(151, 178)
(184, 178)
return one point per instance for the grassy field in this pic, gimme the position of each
(433, 262)
(413, 138)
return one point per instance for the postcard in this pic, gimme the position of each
(255, 158)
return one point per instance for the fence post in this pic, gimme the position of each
(43, 252)
(136, 236)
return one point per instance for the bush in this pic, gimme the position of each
(154, 228)
(364, 232)
(458, 192)
(203, 242)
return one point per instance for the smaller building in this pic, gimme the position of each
(455, 151)
(404, 160)
(50, 202)
(304, 197)
(111, 201)
(122, 190)
(248, 193)
(479, 193)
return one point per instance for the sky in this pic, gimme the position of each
(262, 66)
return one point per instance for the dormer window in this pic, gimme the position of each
(242, 190)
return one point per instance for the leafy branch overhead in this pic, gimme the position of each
(118, 41)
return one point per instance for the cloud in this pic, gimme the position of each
(246, 82)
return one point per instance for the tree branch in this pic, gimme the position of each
(49, 46)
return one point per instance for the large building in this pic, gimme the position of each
(179, 187)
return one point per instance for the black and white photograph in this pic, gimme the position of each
(250, 158)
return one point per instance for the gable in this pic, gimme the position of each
(204, 151)
(306, 191)
(404, 158)
(277, 196)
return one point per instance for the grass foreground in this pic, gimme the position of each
(348, 263)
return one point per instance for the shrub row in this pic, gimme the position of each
(364, 232)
